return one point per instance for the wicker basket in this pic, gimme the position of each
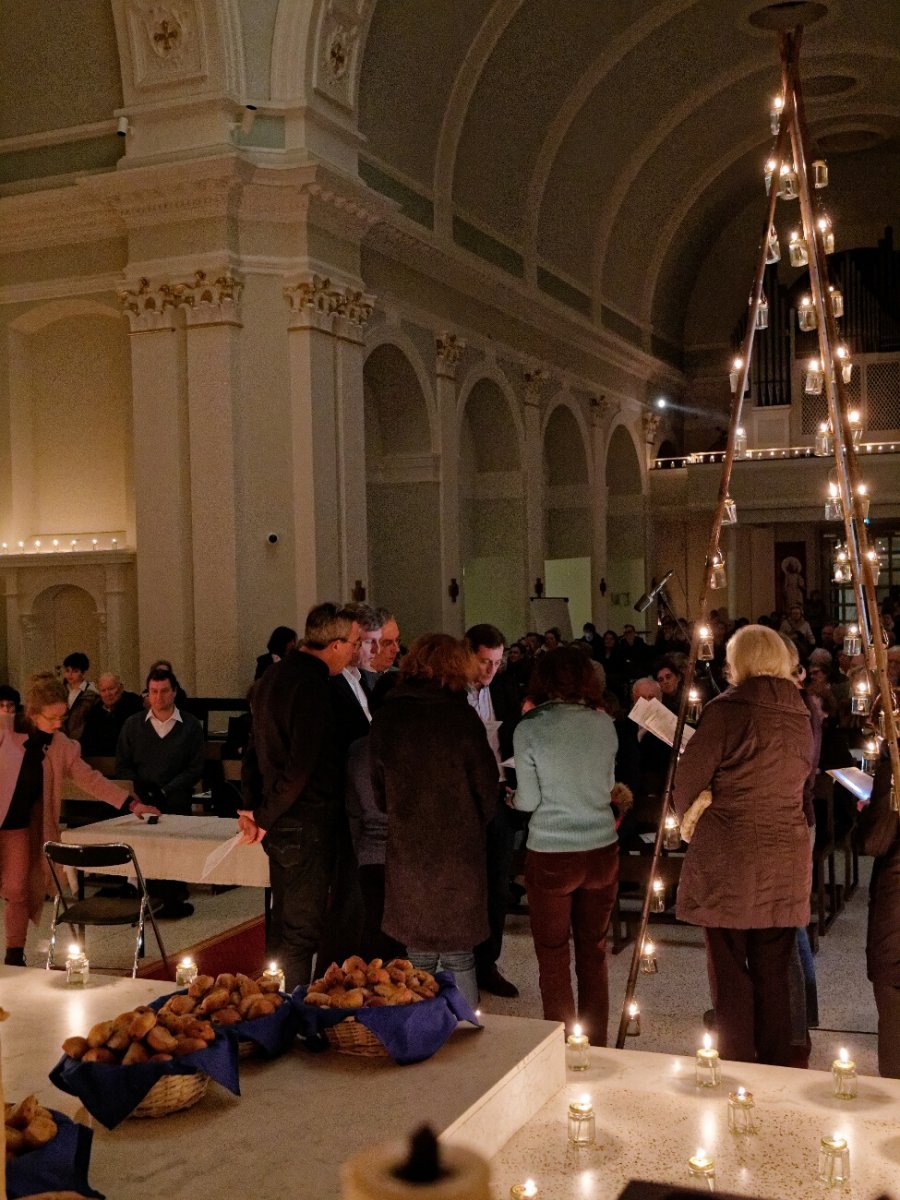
(171, 1094)
(349, 1037)
(246, 1048)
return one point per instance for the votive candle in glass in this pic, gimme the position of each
(274, 972)
(578, 1048)
(707, 1064)
(524, 1191)
(648, 958)
(702, 1166)
(186, 972)
(834, 1160)
(78, 968)
(740, 1111)
(671, 832)
(582, 1124)
(658, 896)
(843, 1075)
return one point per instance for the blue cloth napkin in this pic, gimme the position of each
(60, 1166)
(273, 1034)
(110, 1092)
(409, 1032)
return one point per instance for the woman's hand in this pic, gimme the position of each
(141, 810)
(248, 828)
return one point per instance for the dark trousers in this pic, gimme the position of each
(342, 931)
(749, 978)
(301, 857)
(375, 943)
(887, 1001)
(501, 834)
(573, 893)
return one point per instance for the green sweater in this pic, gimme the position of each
(565, 759)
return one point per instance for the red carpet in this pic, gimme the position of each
(242, 948)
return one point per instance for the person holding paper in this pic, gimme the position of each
(747, 872)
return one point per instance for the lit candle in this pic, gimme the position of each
(658, 896)
(734, 375)
(852, 638)
(729, 512)
(834, 1159)
(37, 543)
(578, 1050)
(582, 1124)
(648, 958)
(843, 1074)
(702, 1166)
(717, 577)
(870, 752)
(672, 832)
(274, 973)
(77, 966)
(74, 543)
(695, 705)
(633, 1027)
(861, 700)
(707, 1064)
(186, 972)
(740, 1111)
(524, 1191)
(94, 542)
(705, 647)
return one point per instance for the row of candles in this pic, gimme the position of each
(834, 1153)
(78, 969)
(56, 544)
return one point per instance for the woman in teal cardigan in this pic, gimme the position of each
(565, 752)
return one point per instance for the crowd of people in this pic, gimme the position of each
(399, 794)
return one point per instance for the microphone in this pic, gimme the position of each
(644, 602)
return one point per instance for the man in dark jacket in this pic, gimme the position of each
(292, 778)
(104, 721)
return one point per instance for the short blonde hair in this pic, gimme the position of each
(44, 689)
(757, 650)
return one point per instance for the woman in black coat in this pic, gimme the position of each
(436, 777)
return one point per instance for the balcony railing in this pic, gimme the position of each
(763, 454)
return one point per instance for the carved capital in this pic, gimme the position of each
(210, 301)
(149, 308)
(650, 421)
(448, 349)
(602, 410)
(535, 378)
(353, 305)
(316, 302)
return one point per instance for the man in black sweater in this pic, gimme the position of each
(292, 781)
(104, 721)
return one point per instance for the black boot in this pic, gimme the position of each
(15, 957)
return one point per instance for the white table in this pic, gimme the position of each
(177, 848)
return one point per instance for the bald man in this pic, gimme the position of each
(105, 720)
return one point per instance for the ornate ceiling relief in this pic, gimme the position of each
(167, 41)
(337, 55)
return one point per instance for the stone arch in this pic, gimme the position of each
(626, 541)
(402, 486)
(492, 508)
(568, 532)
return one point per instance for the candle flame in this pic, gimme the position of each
(585, 1099)
(187, 961)
(843, 1055)
(701, 1153)
(707, 1042)
(273, 967)
(529, 1188)
(74, 950)
(742, 1092)
(649, 949)
(738, 363)
(633, 1009)
(576, 1030)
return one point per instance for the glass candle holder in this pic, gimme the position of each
(762, 313)
(701, 1166)
(862, 500)
(633, 1026)
(707, 1064)
(874, 564)
(824, 225)
(798, 251)
(741, 1111)
(524, 1191)
(854, 419)
(871, 752)
(717, 575)
(740, 442)
(658, 896)
(671, 832)
(861, 699)
(78, 968)
(820, 173)
(834, 1160)
(734, 375)
(705, 644)
(694, 706)
(582, 1126)
(274, 973)
(837, 300)
(648, 958)
(834, 509)
(822, 448)
(806, 315)
(729, 512)
(814, 380)
(853, 637)
(883, 720)
(773, 246)
(186, 972)
(775, 115)
(788, 183)
(578, 1057)
(843, 1076)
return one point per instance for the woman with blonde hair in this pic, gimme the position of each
(435, 776)
(34, 760)
(747, 873)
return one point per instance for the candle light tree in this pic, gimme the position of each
(789, 176)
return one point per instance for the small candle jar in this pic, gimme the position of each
(822, 448)
(648, 958)
(841, 573)
(834, 1160)
(874, 564)
(806, 315)
(834, 509)
(820, 173)
(815, 379)
(708, 1073)
(705, 644)
(862, 501)
(524, 1191)
(734, 375)
(871, 751)
(741, 1111)
(773, 246)
(775, 115)
(578, 1057)
(861, 700)
(843, 1076)
(78, 968)
(186, 972)
(694, 708)
(853, 637)
(274, 973)
(837, 300)
(827, 233)
(717, 576)
(582, 1124)
(789, 184)
(702, 1167)
(740, 442)
(671, 832)
(729, 512)
(798, 251)
(658, 896)
(633, 1025)
(762, 313)
(854, 419)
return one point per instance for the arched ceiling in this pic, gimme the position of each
(605, 147)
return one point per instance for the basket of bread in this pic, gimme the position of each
(45, 1151)
(144, 1063)
(365, 1008)
(239, 1003)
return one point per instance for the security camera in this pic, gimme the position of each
(122, 126)
(272, 538)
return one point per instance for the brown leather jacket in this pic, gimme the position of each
(749, 864)
(879, 834)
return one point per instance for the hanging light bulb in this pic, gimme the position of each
(648, 958)
(633, 1028)
(874, 564)
(729, 512)
(717, 576)
(822, 446)
(824, 226)
(740, 442)
(773, 246)
(775, 114)
(806, 314)
(843, 356)
(837, 300)
(862, 499)
(856, 426)
(871, 751)
(762, 313)
(820, 173)
(798, 251)
(788, 183)
(834, 510)
(852, 638)
(705, 645)
(734, 375)
(815, 378)
(695, 705)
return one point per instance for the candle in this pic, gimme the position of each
(658, 896)
(740, 1111)
(702, 1166)
(695, 704)
(186, 972)
(672, 833)
(834, 1160)
(274, 972)
(852, 639)
(633, 1028)
(77, 966)
(524, 1191)
(577, 1050)
(705, 646)
(707, 1064)
(843, 1074)
(582, 1125)
(861, 700)
(648, 958)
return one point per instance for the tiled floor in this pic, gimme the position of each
(672, 1002)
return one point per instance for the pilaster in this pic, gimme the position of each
(448, 349)
(533, 472)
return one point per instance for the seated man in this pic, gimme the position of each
(104, 721)
(162, 751)
(82, 693)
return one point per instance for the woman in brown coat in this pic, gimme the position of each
(33, 763)
(436, 777)
(747, 873)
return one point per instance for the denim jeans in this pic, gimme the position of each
(461, 963)
(301, 854)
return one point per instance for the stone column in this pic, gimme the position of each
(162, 479)
(448, 349)
(533, 476)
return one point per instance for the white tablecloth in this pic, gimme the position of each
(177, 848)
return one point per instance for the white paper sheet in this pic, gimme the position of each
(857, 782)
(653, 716)
(219, 855)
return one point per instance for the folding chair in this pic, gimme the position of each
(101, 910)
